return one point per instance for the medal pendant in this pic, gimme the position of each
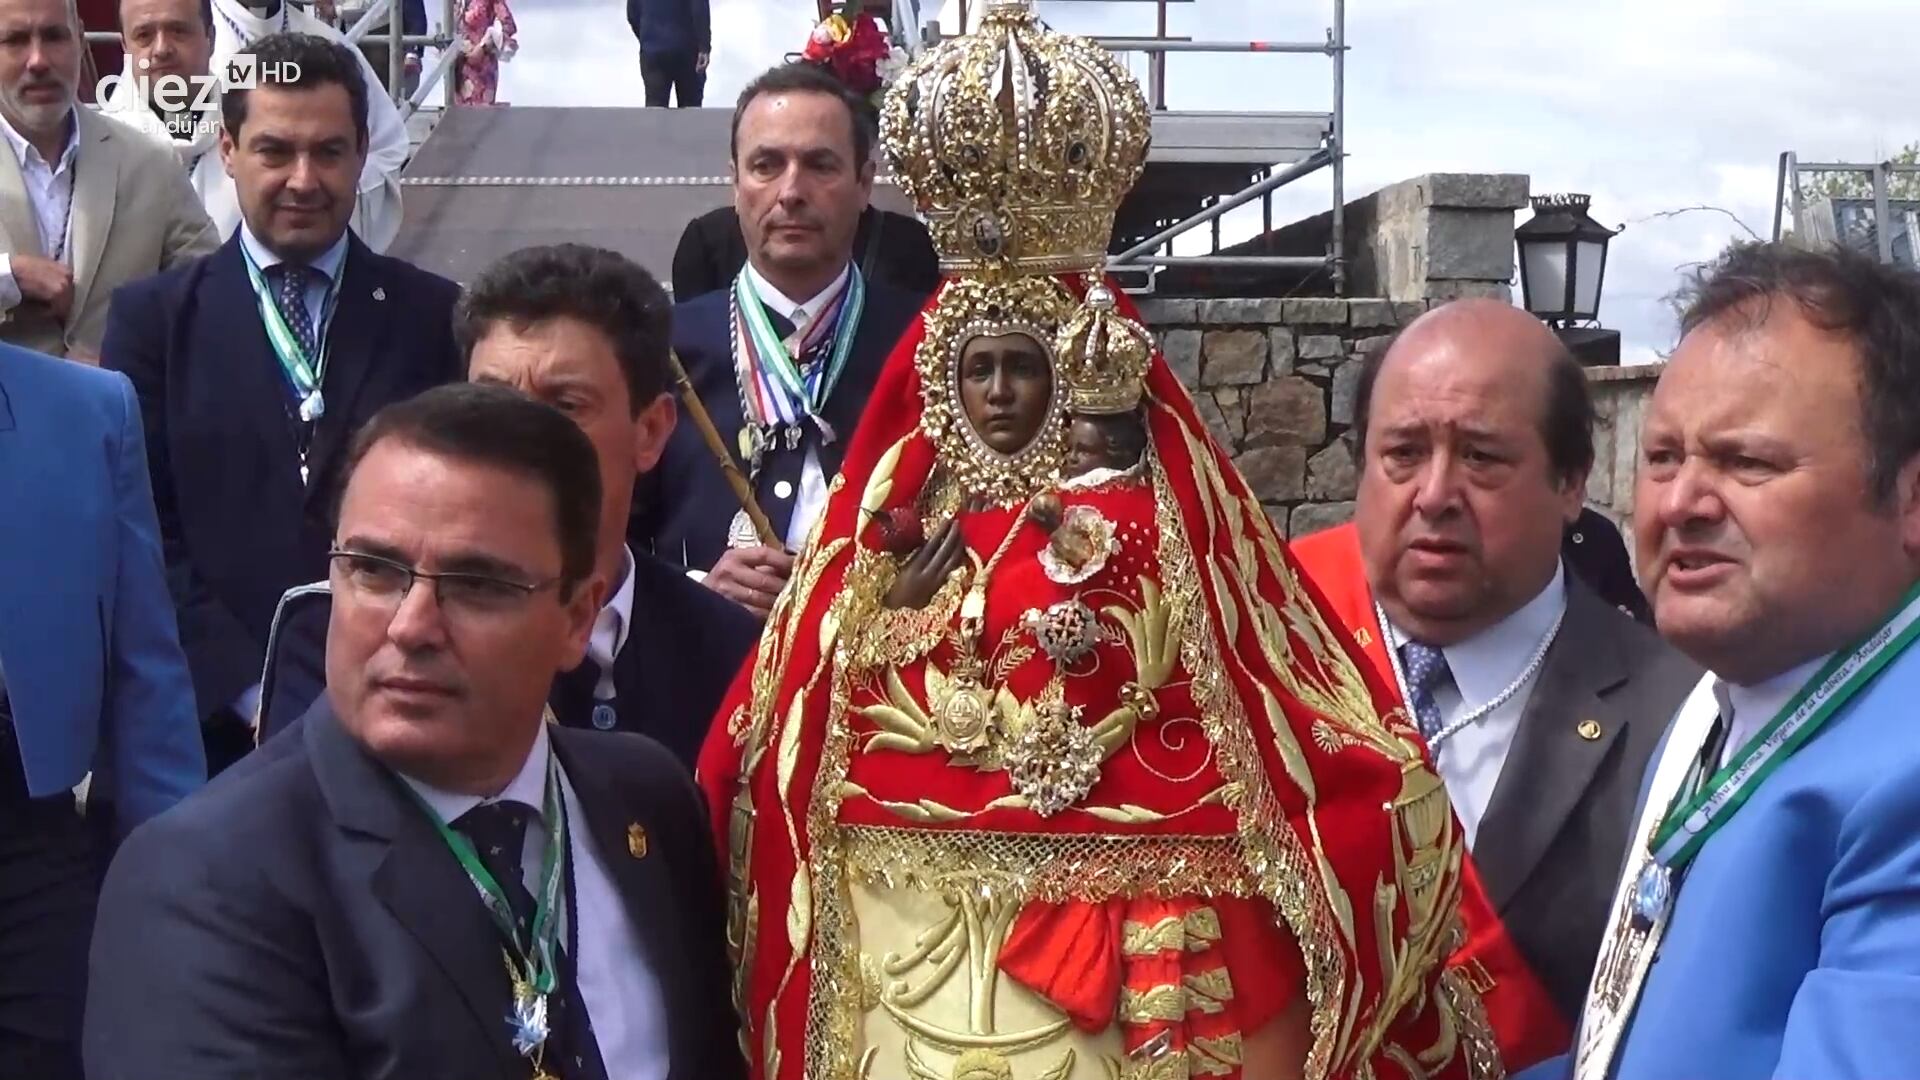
(963, 719)
(741, 533)
(793, 437)
(313, 407)
(529, 1020)
(604, 718)
(1652, 896)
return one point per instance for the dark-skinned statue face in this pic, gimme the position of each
(1006, 389)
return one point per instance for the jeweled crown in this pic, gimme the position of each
(1017, 143)
(1102, 356)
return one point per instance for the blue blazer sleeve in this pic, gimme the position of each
(150, 734)
(1855, 1012)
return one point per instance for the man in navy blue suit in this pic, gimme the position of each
(585, 330)
(91, 681)
(255, 364)
(785, 359)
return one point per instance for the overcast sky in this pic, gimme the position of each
(1650, 106)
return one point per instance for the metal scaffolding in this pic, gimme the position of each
(1888, 216)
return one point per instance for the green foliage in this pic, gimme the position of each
(1855, 185)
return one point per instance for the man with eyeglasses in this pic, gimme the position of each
(424, 877)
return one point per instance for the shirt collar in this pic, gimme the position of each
(794, 311)
(327, 263)
(610, 626)
(1752, 706)
(528, 787)
(1491, 660)
(24, 151)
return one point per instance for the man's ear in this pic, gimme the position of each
(651, 429)
(227, 148)
(1905, 503)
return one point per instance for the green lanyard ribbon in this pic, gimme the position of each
(305, 373)
(780, 392)
(1689, 823)
(530, 961)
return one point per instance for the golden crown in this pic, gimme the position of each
(1017, 144)
(1102, 356)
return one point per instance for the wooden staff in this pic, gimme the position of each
(742, 491)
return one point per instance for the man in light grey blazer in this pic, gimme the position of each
(86, 203)
(1540, 702)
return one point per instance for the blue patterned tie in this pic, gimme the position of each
(1425, 666)
(290, 294)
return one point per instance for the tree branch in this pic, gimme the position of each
(1691, 209)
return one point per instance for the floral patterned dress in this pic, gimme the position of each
(476, 74)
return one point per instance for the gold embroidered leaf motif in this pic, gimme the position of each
(789, 758)
(800, 913)
(1139, 939)
(1218, 1057)
(1208, 991)
(1162, 1003)
(922, 811)
(1154, 651)
(880, 484)
(909, 733)
(1290, 755)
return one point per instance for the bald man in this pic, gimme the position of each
(1540, 702)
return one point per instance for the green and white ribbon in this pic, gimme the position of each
(304, 373)
(1689, 824)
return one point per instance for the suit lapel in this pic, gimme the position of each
(354, 339)
(416, 878)
(96, 180)
(1551, 764)
(625, 836)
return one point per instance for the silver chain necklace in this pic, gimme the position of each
(1476, 714)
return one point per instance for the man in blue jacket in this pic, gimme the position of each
(676, 41)
(92, 681)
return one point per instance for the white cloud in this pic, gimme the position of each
(1649, 106)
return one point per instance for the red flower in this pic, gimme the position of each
(856, 60)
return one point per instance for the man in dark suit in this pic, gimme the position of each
(255, 364)
(585, 330)
(887, 246)
(1541, 702)
(91, 681)
(314, 912)
(787, 385)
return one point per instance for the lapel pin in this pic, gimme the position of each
(379, 293)
(636, 841)
(1589, 730)
(1363, 638)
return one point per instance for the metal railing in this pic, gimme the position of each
(1789, 195)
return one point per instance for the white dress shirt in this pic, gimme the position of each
(811, 499)
(610, 630)
(621, 995)
(50, 191)
(1747, 709)
(1482, 667)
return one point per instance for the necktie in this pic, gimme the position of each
(290, 296)
(573, 700)
(1425, 666)
(499, 831)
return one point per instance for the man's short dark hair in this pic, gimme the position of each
(802, 77)
(601, 288)
(317, 60)
(1566, 418)
(1874, 306)
(206, 16)
(496, 427)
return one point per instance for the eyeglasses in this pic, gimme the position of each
(384, 581)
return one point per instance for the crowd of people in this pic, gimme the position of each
(864, 662)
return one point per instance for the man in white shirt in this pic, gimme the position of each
(426, 877)
(161, 32)
(585, 330)
(85, 204)
(784, 385)
(1539, 701)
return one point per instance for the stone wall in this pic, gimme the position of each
(1275, 380)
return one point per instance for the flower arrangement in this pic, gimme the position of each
(851, 45)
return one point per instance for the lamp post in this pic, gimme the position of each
(1563, 262)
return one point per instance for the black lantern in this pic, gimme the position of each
(1563, 257)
